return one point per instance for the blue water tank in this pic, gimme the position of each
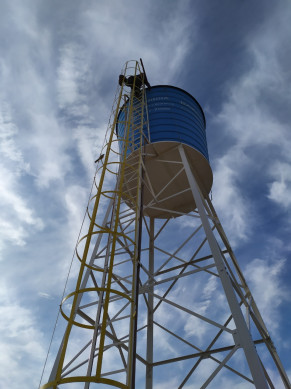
(174, 115)
(174, 118)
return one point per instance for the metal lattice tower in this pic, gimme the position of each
(160, 297)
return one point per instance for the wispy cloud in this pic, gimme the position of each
(17, 217)
(260, 136)
(57, 80)
(265, 278)
(165, 40)
(280, 188)
(21, 343)
(70, 70)
(45, 295)
(232, 207)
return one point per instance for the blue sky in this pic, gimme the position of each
(59, 68)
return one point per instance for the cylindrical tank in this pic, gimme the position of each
(174, 118)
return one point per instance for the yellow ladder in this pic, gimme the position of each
(113, 271)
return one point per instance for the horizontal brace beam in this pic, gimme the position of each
(203, 354)
(193, 313)
(186, 263)
(200, 350)
(176, 277)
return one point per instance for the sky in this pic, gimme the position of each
(59, 68)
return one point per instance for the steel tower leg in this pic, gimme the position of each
(194, 337)
(243, 337)
(150, 315)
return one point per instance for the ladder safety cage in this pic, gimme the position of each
(106, 290)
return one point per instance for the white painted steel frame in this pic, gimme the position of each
(153, 300)
(173, 269)
(244, 337)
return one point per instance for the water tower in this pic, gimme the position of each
(160, 300)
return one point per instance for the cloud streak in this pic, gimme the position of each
(59, 71)
(260, 137)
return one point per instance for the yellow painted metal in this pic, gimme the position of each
(111, 263)
(84, 379)
(118, 195)
(84, 290)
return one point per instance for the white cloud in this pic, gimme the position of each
(8, 133)
(52, 144)
(11, 233)
(280, 188)
(36, 139)
(169, 384)
(228, 199)
(45, 295)
(17, 218)
(49, 145)
(71, 73)
(206, 299)
(165, 40)
(73, 84)
(264, 278)
(22, 352)
(250, 119)
(89, 146)
(75, 198)
(196, 327)
(210, 288)
(276, 379)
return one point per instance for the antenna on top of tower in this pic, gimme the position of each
(144, 72)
